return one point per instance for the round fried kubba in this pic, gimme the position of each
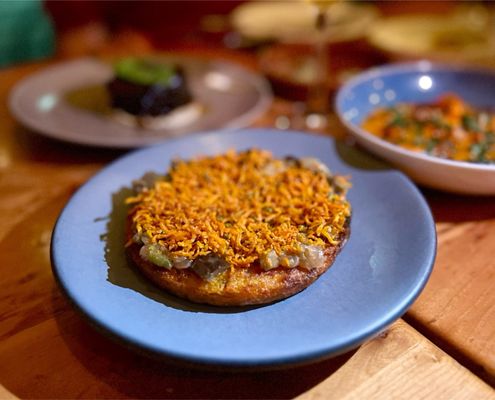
(222, 214)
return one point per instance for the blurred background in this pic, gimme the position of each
(397, 29)
(280, 34)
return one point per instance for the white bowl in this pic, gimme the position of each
(419, 82)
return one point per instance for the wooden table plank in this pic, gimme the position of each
(400, 364)
(63, 357)
(457, 307)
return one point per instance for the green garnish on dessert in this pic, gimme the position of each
(144, 71)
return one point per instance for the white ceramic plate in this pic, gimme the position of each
(67, 102)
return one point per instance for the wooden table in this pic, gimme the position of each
(443, 348)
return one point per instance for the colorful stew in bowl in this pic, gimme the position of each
(447, 128)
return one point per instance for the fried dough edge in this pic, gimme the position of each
(236, 286)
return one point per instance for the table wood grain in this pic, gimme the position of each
(457, 307)
(400, 364)
(48, 351)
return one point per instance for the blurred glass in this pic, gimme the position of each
(317, 104)
(26, 32)
(462, 34)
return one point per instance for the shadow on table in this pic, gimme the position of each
(356, 157)
(131, 374)
(448, 207)
(29, 145)
(445, 207)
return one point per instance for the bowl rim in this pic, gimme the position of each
(406, 67)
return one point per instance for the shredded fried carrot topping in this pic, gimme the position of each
(240, 206)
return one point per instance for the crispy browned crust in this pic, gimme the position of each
(237, 286)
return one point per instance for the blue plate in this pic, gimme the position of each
(379, 273)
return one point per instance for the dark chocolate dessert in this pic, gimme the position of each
(143, 87)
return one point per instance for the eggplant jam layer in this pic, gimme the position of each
(148, 88)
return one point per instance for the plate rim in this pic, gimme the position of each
(274, 362)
